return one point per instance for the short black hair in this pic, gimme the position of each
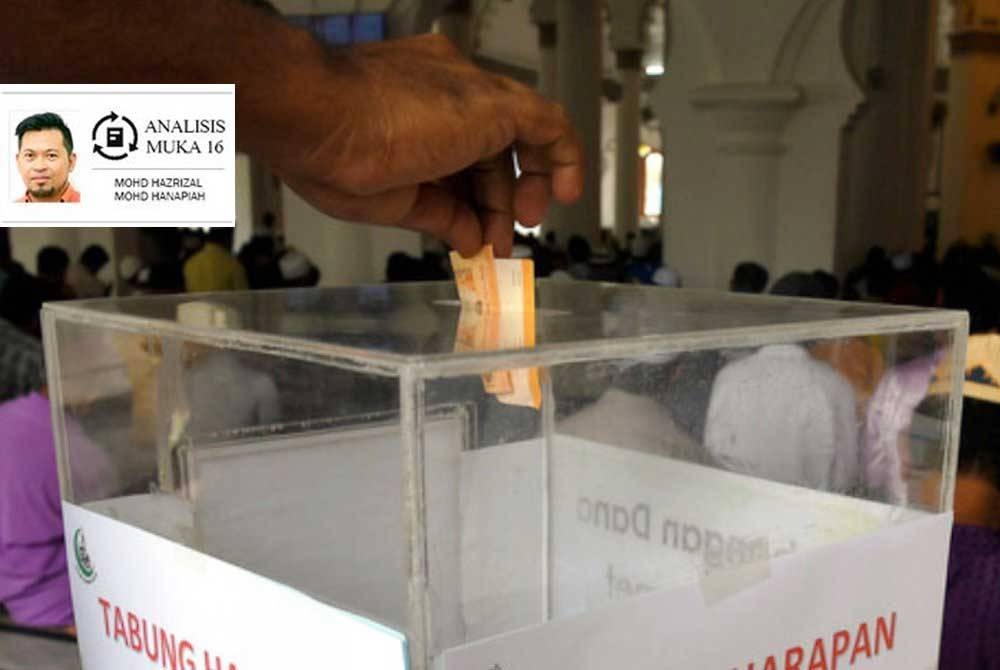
(21, 302)
(578, 249)
(979, 444)
(51, 262)
(798, 285)
(94, 257)
(45, 121)
(749, 277)
(828, 284)
(221, 236)
(966, 284)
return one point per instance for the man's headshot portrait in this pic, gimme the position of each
(45, 159)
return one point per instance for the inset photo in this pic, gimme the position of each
(45, 159)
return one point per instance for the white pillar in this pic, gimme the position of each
(749, 120)
(751, 108)
(543, 15)
(579, 49)
(628, 39)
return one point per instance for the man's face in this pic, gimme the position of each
(44, 164)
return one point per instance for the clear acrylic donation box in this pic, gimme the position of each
(340, 478)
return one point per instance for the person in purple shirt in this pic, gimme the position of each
(34, 586)
(970, 637)
(34, 583)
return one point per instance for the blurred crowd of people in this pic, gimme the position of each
(967, 277)
(195, 261)
(639, 260)
(169, 260)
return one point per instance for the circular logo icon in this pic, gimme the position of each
(115, 137)
(84, 566)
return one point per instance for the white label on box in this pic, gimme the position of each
(650, 558)
(874, 601)
(141, 601)
(142, 155)
(623, 523)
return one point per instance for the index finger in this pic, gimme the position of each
(545, 132)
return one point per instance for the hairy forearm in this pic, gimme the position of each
(167, 41)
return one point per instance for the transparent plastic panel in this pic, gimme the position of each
(403, 324)
(484, 512)
(286, 468)
(649, 473)
(864, 417)
(667, 470)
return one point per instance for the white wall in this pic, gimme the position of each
(810, 173)
(244, 202)
(384, 241)
(346, 253)
(694, 206)
(507, 34)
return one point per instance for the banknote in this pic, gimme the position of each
(476, 280)
(498, 312)
(516, 289)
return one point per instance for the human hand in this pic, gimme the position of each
(404, 133)
(409, 133)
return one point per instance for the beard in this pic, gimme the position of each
(42, 192)
(47, 191)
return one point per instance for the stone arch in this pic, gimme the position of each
(796, 39)
(688, 14)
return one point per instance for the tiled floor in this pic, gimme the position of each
(27, 652)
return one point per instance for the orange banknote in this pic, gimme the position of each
(498, 312)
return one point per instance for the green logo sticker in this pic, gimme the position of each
(84, 566)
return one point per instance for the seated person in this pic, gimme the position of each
(82, 276)
(213, 267)
(21, 367)
(969, 637)
(34, 583)
(782, 415)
